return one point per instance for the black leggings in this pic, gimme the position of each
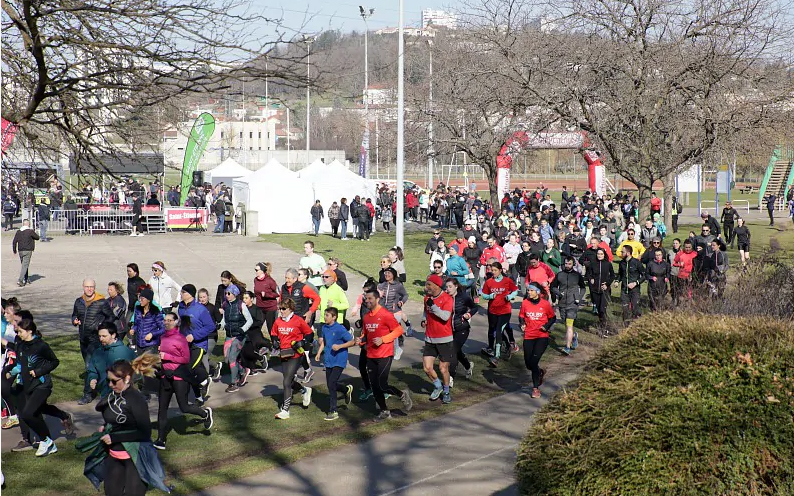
(497, 325)
(9, 397)
(458, 340)
(362, 369)
(32, 408)
(290, 385)
(122, 478)
(270, 319)
(332, 377)
(169, 387)
(600, 301)
(533, 350)
(378, 371)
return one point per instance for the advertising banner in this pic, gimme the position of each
(186, 218)
(196, 144)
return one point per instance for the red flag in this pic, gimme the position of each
(8, 130)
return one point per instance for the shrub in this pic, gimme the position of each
(679, 404)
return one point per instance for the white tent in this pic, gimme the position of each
(226, 171)
(281, 199)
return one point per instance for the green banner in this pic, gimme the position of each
(196, 144)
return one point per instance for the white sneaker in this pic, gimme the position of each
(46, 447)
(133, 234)
(307, 396)
(451, 382)
(283, 415)
(398, 353)
(141, 234)
(470, 370)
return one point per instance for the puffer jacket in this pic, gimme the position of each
(91, 313)
(152, 322)
(463, 305)
(392, 294)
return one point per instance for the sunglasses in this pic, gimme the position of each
(114, 381)
(154, 269)
(282, 309)
(327, 277)
(257, 269)
(229, 293)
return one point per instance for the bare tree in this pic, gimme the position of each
(656, 83)
(96, 77)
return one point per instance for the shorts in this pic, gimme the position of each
(445, 351)
(744, 246)
(568, 313)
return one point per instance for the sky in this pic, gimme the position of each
(313, 16)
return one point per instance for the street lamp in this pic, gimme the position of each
(308, 40)
(431, 152)
(366, 14)
(400, 221)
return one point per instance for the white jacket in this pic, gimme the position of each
(162, 287)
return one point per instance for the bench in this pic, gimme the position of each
(749, 189)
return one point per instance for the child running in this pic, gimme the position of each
(335, 340)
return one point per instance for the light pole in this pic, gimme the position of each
(400, 221)
(366, 14)
(308, 40)
(431, 152)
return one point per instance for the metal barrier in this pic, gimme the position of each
(71, 221)
(746, 203)
(102, 220)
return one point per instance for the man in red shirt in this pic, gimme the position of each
(494, 251)
(379, 330)
(291, 333)
(656, 204)
(437, 322)
(537, 316)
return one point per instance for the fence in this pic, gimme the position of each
(733, 202)
(96, 219)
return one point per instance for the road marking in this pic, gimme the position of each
(422, 481)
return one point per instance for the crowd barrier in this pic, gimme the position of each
(97, 219)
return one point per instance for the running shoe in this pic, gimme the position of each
(514, 347)
(566, 351)
(159, 444)
(535, 393)
(365, 395)
(575, 341)
(408, 402)
(451, 382)
(68, 424)
(265, 364)
(446, 398)
(488, 352)
(22, 446)
(199, 401)
(383, 415)
(244, 377)
(208, 420)
(216, 372)
(436, 394)
(506, 352)
(398, 353)
(307, 377)
(493, 362)
(10, 422)
(595, 310)
(307, 396)
(470, 370)
(204, 389)
(332, 416)
(254, 372)
(46, 447)
(283, 415)
(409, 331)
(348, 394)
(86, 399)
(542, 375)
(232, 388)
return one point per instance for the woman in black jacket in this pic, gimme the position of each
(134, 286)
(255, 346)
(227, 278)
(599, 276)
(119, 308)
(36, 361)
(463, 311)
(204, 298)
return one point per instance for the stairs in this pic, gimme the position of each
(779, 176)
(154, 223)
(777, 180)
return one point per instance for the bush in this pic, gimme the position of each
(678, 404)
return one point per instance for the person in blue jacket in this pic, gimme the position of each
(458, 268)
(110, 351)
(197, 334)
(147, 327)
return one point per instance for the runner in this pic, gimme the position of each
(175, 369)
(500, 292)
(289, 333)
(201, 326)
(212, 339)
(334, 341)
(110, 351)
(537, 317)
(306, 300)
(568, 287)
(600, 276)
(254, 353)
(657, 273)
(358, 313)
(437, 321)
(462, 314)
(392, 297)
(630, 276)
(742, 234)
(163, 286)
(266, 289)
(227, 279)
(314, 262)
(147, 327)
(380, 328)
(236, 320)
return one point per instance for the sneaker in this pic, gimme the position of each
(514, 347)
(566, 351)
(383, 415)
(332, 416)
(493, 362)
(265, 364)
(216, 372)
(68, 424)
(365, 395)
(436, 394)
(283, 414)
(46, 447)
(232, 388)
(244, 377)
(22, 446)
(535, 393)
(159, 444)
(204, 389)
(132, 234)
(209, 421)
(307, 377)
(10, 422)
(451, 382)
(348, 394)
(254, 372)
(409, 331)
(488, 352)
(506, 352)
(398, 353)
(408, 402)
(470, 370)
(200, 401)
(86, 399)
(542, 375)
(446, 398)
(575, 341)
(307, 396)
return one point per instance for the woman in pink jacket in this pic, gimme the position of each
(175, 355)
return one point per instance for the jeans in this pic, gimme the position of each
(533, 350)
(316, 223)
(24, 258)
(332, 376)
(343, 229)
(43, 225)
(220, 224)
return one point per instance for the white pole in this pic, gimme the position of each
(267, 112)
(399, 222)
(431, 153)
(288, 133)
(308, 97)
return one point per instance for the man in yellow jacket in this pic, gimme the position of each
(637, 248)
(331, 295)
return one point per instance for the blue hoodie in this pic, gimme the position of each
(201, 323)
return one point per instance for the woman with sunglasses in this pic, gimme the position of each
(127, 426)
(291, 335)
(227, 279)
(35, 362)
(266, 292)
(166, 290)
(236, 320)
(341, 278)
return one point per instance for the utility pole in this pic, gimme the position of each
(366, 14)
(431, 152)
(308, 40)
(400, 220)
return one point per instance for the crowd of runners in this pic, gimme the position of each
(533, 259)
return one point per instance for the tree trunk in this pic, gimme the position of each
(644, 196)
(491, 172)
(669, 192)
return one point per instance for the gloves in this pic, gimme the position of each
(429, 303)
(276, 343)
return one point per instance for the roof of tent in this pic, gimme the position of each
(314, 169)
(269, 190)
(229, 168)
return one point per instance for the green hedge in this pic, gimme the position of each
(679, 405)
